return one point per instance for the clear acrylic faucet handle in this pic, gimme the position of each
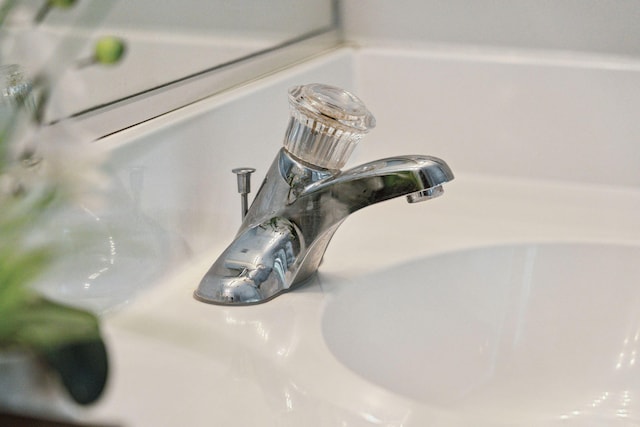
(326, 124)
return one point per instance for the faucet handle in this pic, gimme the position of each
(326, 124)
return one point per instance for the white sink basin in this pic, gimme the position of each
(500, 334)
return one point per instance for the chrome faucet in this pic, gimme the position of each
(305, 197)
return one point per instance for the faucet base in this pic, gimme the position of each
(240, 299)
(260, 264)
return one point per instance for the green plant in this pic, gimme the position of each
(38, 177)
(32, 188)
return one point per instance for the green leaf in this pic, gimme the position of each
(17, 270)
(40, 324)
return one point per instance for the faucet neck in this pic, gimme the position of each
(298, 174)
(287, 178)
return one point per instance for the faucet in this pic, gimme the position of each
(305, 197)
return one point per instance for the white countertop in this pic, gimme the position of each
(177, 361)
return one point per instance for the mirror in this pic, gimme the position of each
(176, 52)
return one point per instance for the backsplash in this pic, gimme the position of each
(541, 116)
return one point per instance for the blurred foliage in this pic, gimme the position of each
(67, 339)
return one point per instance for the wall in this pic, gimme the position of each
(579, 25)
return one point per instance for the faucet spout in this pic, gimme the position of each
(305, 197)
(417, 177)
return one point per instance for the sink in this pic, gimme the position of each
(404, 325)
(500, 334)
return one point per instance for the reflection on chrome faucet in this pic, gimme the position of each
(305, 197)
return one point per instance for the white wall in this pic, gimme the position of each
(603, 26)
